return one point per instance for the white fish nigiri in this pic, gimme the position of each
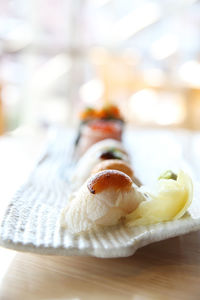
(92, 157)
(102, 200)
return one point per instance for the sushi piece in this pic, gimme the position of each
(97, 125)
(106, 188)
(98, 130)
(116, 164)
(103, 200)
(103, 150)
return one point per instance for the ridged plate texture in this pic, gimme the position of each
(32, 220)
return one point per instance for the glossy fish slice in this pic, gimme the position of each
(103, 199)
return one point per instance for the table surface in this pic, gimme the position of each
(166, 270)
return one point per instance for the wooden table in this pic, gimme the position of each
(164, 270)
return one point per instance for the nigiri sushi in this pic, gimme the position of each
(106, 149)
(116, 164)
(97, 130)
(102, 200)
(98, 125)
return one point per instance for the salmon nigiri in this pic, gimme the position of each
(97, 125)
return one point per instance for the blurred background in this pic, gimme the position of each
(58, 56)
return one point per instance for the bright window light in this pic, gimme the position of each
(164, 47)
(100, 3)
(190, 73)
(149, 106)
(91, 91)
(170, 110)
(134, 22)
(51, 71)
(143, 105)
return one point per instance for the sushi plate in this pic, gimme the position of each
(32, 221)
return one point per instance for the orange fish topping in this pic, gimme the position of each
(109, 178)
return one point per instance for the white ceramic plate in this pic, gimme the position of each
(32, 220)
